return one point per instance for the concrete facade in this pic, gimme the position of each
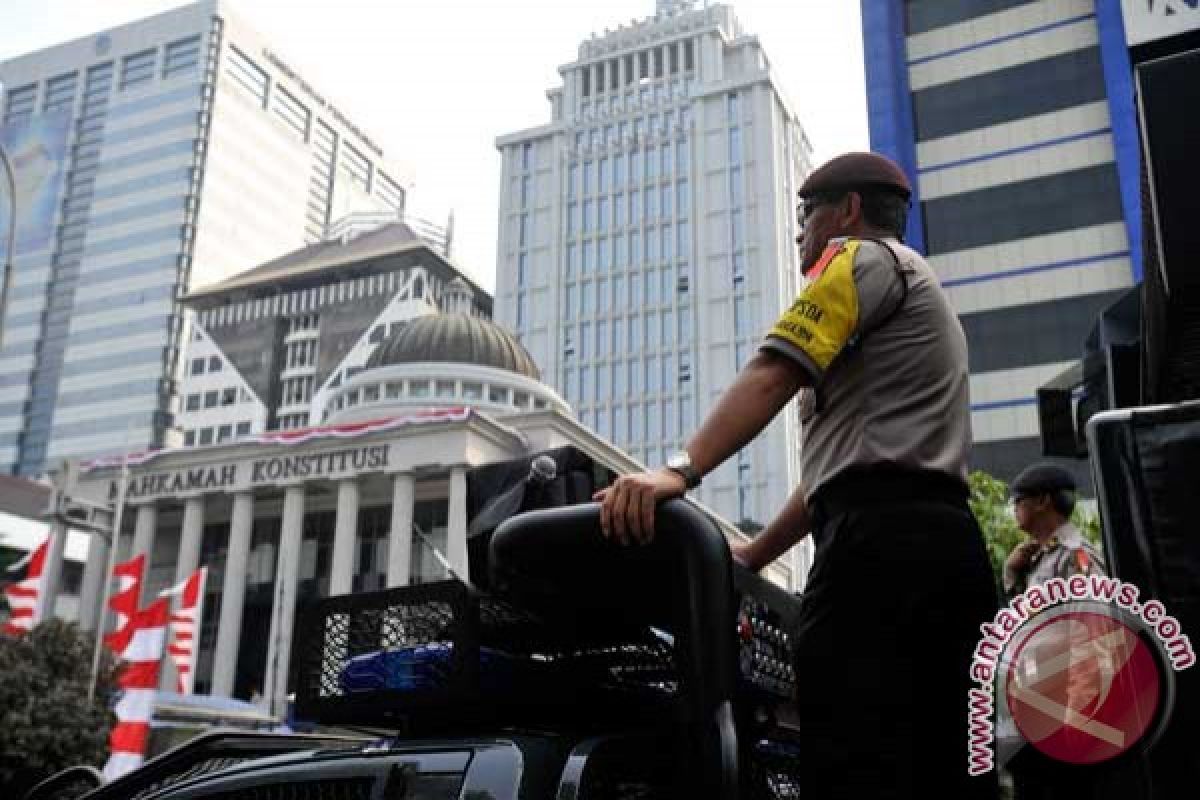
(647, 238)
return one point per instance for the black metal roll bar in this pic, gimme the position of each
(557, 562)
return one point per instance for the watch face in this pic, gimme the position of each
(679, 461)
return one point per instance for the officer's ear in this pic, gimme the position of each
(851, 210)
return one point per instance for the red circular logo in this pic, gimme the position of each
(1083, 687)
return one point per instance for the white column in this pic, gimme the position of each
(91, 592)
(52, 570)
(456, 533)
(233, 595)
(345, 535)
(187, 559)
(144, 527)
(283, 610)
(399, 567)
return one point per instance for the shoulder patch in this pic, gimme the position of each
(822, 319)
(831, 252)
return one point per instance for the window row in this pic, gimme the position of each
(136, 69)
(660, 424)
(612, 174)
(216, 434)
(298, 391)
(606, 383)
(214, 398)
(640, 131)
(300, 354)
(441, 389)
(653, 246)
(613, 73)
(202, 365)
(310, 299)
(644, 290)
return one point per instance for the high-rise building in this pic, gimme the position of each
(151, 159)
(647, 238)
(1015, 121)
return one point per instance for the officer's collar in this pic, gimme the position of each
(1066, 535)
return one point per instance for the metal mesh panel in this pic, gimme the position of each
(371, 656)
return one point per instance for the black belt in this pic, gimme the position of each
(873, 487)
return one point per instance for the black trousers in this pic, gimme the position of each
(890, 617)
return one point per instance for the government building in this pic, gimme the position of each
(377, 496)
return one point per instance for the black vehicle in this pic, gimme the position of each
(585, 671)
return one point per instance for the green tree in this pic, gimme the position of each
(47, 722)
(989, 503)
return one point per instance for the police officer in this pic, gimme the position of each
(1043, 498)
(901, 579)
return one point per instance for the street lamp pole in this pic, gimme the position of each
(9, 251)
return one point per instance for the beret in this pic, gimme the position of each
(857, 170)
(1042, 478)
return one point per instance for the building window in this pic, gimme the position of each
(214, 363)
(193, 402)
(243, 429)
(181, 56)
(247, 74)
(497, 395)
(206, 436)
(291, 111)
(229, 396)
(198, 366)
(189, 438)
(211, 398)
(356, 165)
(137, 69)
(224, 433)
(445, 389)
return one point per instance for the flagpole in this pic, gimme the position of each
(114, 538)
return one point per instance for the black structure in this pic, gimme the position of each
(1145, 463)
(590, 671)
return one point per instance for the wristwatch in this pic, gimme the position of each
(681, 464)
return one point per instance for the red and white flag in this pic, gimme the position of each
(185, 627)
(24, 596)
(138, 681)
(124, 601)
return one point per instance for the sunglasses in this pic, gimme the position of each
(809, 205)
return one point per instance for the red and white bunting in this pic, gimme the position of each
(24, 596)
(138, 681)
(185, 626)
(125, 599)
(347, 430)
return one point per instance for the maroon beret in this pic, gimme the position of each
(854, 171)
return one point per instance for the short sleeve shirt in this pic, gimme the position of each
(888, 366)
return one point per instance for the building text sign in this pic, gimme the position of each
(278, 469)
(1148, 20)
